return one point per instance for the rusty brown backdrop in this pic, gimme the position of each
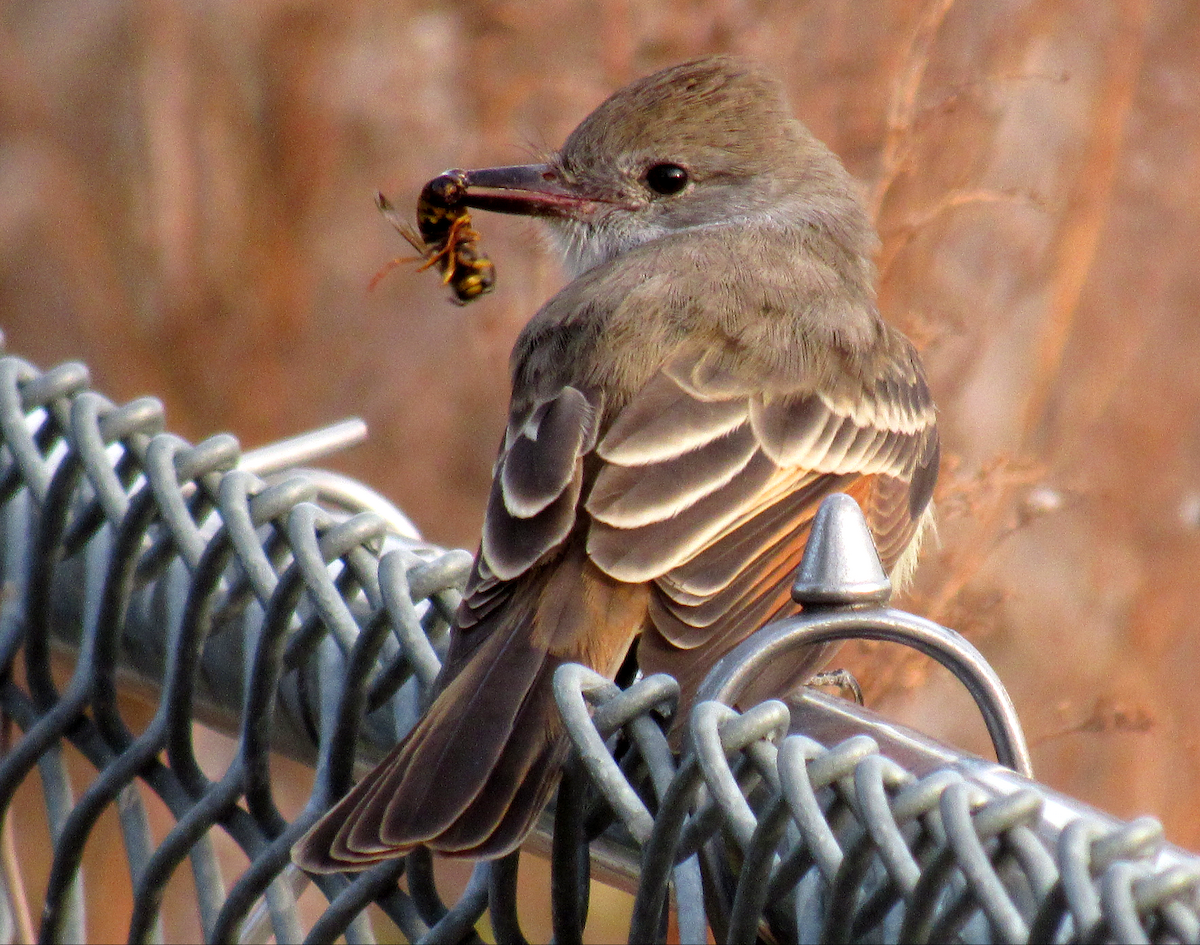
(186, 204)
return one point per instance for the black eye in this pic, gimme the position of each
(666, 179)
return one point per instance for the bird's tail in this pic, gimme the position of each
(469, 780)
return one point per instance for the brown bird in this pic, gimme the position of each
(715, 369)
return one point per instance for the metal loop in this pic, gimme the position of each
(874, 777)
(718, 734)
(170, 461)
(24, 391)
(573, 684)
(96, 424)
(734, 671)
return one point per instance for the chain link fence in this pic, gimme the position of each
(301, 612)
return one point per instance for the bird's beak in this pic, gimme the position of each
(535, 190)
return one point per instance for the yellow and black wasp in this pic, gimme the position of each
(444, 238)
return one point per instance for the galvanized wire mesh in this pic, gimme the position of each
(301, 612)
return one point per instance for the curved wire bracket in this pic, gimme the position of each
(843, 587)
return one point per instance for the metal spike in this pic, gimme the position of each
(841, 566)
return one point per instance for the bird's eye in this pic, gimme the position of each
(666, 179)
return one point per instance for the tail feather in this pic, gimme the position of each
(467, 812)
(505, 810)
(456, 749)
(474, 774)
(481, 762)
(526, 804)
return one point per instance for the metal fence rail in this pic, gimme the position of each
(302, 613)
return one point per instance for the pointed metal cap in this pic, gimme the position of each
(841, 567)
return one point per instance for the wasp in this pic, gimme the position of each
(444, 238)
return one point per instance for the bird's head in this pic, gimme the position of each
(704, 143)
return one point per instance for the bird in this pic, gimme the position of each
(715, 367)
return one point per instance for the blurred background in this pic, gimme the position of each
(187, 205)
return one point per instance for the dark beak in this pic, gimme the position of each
(534, 190)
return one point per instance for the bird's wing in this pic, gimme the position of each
(708, 486)
(532, 509)
(702, 487)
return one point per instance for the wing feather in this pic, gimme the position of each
(532, 506)
(541, 459)
(703, 487)
(718, 538)
(660, 424)
(631, 496)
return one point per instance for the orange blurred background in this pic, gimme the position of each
(186, 204)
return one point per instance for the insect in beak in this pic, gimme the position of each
(444, 238)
